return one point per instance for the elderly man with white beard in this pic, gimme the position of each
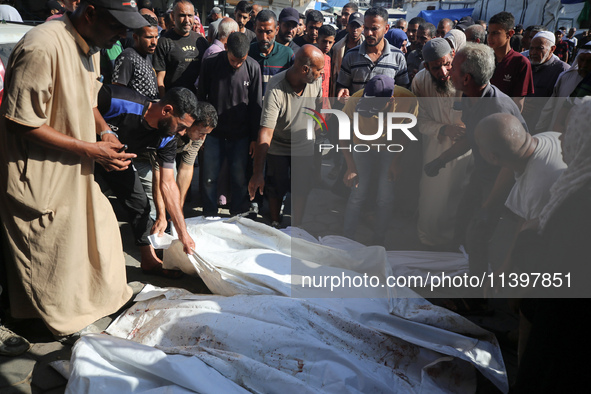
(440, 126)
(546, 69)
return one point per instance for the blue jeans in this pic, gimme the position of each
(372, 171)
(214, 151)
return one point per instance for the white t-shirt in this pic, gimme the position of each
(531, 191)
(9, 14)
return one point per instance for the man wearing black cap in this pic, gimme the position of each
(353, 38)
(216, 17)
(380, 165)
(67, 264)
(288, 26)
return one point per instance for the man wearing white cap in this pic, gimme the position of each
(553, 115)
(546, 69)
(440, 126)
(67, 265)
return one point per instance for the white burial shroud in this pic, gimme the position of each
(253, 336)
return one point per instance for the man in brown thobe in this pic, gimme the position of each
(67, 265)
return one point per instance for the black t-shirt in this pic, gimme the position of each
(301, 41)
(136, 72)
(340, 34)
(124, 110)
(180, 57)
(251, 35)
(235, 94)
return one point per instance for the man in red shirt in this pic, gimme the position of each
(513, 75)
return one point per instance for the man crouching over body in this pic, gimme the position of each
(149, 126)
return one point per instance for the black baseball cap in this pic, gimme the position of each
(54, 5)
(376, 95)
(289, 14)
(125, 11)
(465, 23)
(356, 17)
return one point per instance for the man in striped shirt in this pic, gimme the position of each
(272, 57)
(373, 57)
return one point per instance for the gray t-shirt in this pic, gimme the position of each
(285, 112)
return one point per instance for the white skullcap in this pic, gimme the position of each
(547, 35)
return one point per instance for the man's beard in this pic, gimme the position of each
(374, 45)
(165, 127)
(442, 87)
(310, 77)
(266, 45)
(285, 38)
(544, 60)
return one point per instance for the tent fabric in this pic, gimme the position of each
(259, 339)
(454, 14)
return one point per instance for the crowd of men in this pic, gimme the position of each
(492, 101)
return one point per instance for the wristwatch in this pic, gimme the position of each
(108, 132)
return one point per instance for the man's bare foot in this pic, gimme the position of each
(152, 265)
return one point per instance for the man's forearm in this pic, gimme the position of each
(99, 121)
(519, 101)
(160, 79)
(456, 150)
(261, 149)
(171, 196)
(157, 195)
(503, 184)
(183, 180)
(260, 154)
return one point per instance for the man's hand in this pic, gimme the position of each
(343, 96)
(188, 243)
(159, 226)
(109, 137)
(256, 182)
(351, 178)
(453, 132)
(111, 155)
(432, 168)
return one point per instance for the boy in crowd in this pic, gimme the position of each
(326, 38)
(513, 75)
